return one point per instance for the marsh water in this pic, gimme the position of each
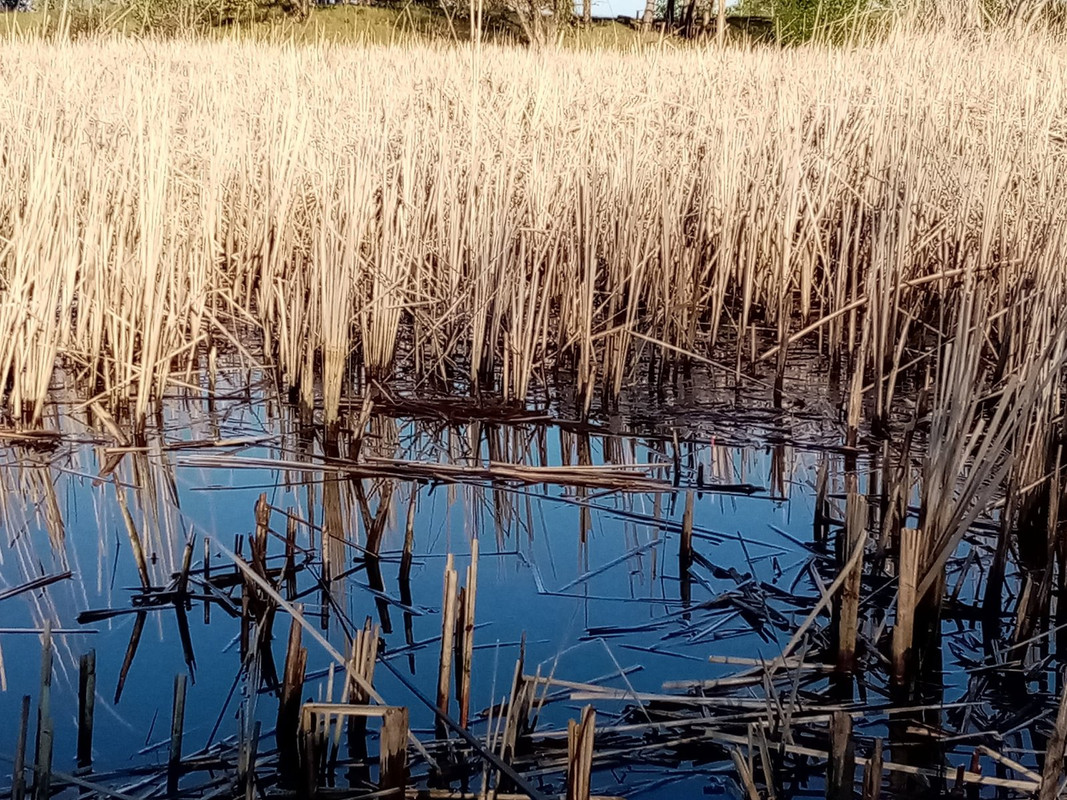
(587, 578)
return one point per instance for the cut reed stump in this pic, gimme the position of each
(448, 637)
(177, 730)
(316, 719)
(360, 679)
(904, 626)
(685, 548)
(872, 773)
(18, 773)
(42, 784)
(849, 599)
(288, 727)
(467, 606)
(86, 708)
(841, 771)
(393, 758)
(580, 737)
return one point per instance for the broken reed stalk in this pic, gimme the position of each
(580, 736)
(288, 725)
(908, 560)
(338, 659)
(872, 773)
(520, 702)
(685, 551)
(1052, 772)
(42, 758)
(448, 636)
(467, 608)
(177, 732)
(207, 576)
(841, 770)
(18, 772)
(393, 757)
(86, 708)
(744, 774)
(849, 599)
(363, 658)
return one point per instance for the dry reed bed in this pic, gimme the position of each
(496, 210)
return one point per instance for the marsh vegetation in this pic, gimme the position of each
(824, 281)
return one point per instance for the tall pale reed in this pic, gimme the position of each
(410, 210)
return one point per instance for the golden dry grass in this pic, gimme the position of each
(493, 210)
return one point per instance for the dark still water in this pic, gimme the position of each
(591, 572)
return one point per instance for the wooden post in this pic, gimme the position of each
(393, 758)
(42, 784)
(904, 626)
(86, 708)
(18, 773)
(177, 726)
(448, 635)
(841, 771)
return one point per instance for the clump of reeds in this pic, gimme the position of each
(492, 215)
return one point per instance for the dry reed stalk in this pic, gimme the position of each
(135, 235)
